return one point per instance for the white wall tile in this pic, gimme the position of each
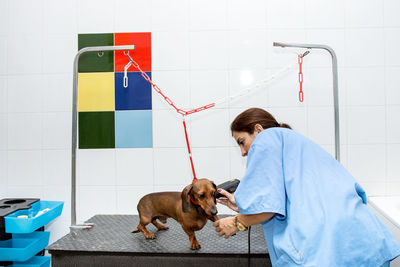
(25, 168)
(374, 188)
(57, 93)
(321, 126)
(391, 37)
(253, 14)
(392, 80)
(25, 93)
(56, 130)
(3, 172)
(168, 130)
(393, 166)
(365, 86)
(366, 125)
(317, 86)
(59, 193)
(63, 49)
(3, 94)
(210, 128)
(96, 167)
(206, 87)
(60, 17)
(212, 163)
(172, 166)
(26, 17)
(132, 16)
(393, 124)
(58, 228)
(95, 200)
(391, 9)
(361, 13)
(98, 16)
(367, 162)
(358, 41)
(170, 15)
(3, 55)
(57, 167)
(295, 117)
(237, 163)
(209, 50)
(170, 50)
(216, 16)
(284, 92)
(4, 17)
(285, 14)
(24, 191)
(24, 131)
(134, 167)
(175, 86)
(247, 49)
(3, 132)
(128, 197)
(324, 14)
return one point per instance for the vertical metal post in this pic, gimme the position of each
(75, 119)
(335, 86)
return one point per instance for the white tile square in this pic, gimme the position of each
(295, 117)
(321, 126)
(64, 47)
(208, 15)
(57, 93)
(374, 188)
(237, 163)
(393, 166)
(94, 16)
(248, 79)
(360, 128)
(21, 58)
(361, 13)
(3, 94)
(391, 9)
(247, 49)
(25, 191)
(3, 172)
(25, 93)
(170, 51)
(391, 38)
(212, 163)
(94, 200)
(172, 166)
(286, 14)
(3, 55)
(3, 131)
(24, 130)
(175, 86)
(4, 17)
(324, 14)
(242, 15)
(367, 163)
(393, 124)
(134, 167)
(56, 130)
(174, 188)
(210, 128)
(207, 87)
(25, 168)
(168, 130)
(59, 193)
(56, 167)
(58, 228)
(26, 17)
(60, 17)
(392, 188)
(392, 80)
(358, 41)
(365, 86)
(209, 50)
(132, 16)
(284, 92)
(129, 196)
(96, 167)
(170, 15)
(317, 86)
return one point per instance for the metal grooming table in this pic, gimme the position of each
(111, 243)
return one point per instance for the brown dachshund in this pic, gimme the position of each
(191, 208)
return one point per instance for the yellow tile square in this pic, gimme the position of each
(96, 91)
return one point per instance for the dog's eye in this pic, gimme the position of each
(201, 196)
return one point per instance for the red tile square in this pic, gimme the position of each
(141, 54)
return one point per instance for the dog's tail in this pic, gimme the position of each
(136, 231)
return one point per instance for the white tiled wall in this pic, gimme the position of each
(201, 51)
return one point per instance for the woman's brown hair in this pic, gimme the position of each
(246, 121)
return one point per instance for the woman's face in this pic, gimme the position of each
(244, 140)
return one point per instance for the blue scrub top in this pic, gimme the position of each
(321, 217)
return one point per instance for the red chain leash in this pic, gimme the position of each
(300, 59)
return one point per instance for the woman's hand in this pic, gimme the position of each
(229, 201)
(226, 227)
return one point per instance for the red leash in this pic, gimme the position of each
(189, 151)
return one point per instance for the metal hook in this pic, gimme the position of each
(100, 54)
(126, 52)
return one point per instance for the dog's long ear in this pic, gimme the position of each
(185, 197)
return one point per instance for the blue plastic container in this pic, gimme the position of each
(35, 217)
(38, 261)
(22, 247)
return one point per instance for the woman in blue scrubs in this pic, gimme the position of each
(312, 210)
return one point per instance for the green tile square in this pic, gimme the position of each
(96, 129)
(96, 61)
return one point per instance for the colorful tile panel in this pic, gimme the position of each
(111, 115)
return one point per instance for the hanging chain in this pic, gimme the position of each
(300, 59)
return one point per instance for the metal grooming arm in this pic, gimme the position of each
(74, 125)
(335, 85)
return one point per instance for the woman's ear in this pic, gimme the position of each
(258, 128)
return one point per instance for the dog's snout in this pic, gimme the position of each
(214, 212)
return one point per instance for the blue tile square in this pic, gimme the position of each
(133, 129)
(137, 96)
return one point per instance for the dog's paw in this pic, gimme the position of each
(161, 228)
(150, 236)
(195, 245)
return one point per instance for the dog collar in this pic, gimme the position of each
(192, 200)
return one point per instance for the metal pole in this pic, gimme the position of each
(335, 85)
(75, 119)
